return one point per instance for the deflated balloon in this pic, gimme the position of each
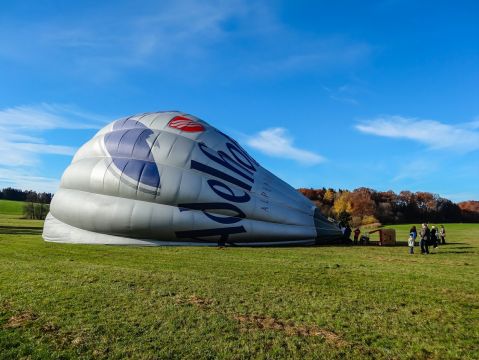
(169, 178)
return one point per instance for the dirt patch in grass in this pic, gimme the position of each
(20, 320)
(50, 327)
(6, 305)
(66, 339)
(198, 301)
(290, 328)
(77, 341)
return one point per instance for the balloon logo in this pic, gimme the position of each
(131, 153)
(184, 124)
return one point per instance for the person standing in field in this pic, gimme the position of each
(434, 236)
(412, 239)
(356, 235)
(413, 236)
(425, 237)
(442, 234)
(347, 232)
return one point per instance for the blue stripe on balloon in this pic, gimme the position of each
(131, 154)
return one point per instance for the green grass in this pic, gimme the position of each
(80, 301)
(10, 207)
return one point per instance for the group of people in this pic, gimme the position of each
(364, 239)
(427, 237)
(347, 231)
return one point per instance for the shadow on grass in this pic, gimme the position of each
(454, 252)
(405, 244)
(23, 230)
(375, 243)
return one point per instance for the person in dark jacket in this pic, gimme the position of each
(425, 238)
(356, 235)
(347, 232)
(434, 236)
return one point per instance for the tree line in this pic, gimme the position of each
(364, 206)
(25, 195)
(37, 204)
(470, 210)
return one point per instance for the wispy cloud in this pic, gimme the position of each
(103, 43)
(434, 134)
(344, 94)
(473, 124)
(177, 36)
(46, 117)
(416, 170)
(276, 142)
(22, 143)
(317, 55)
(461, 196)
(21, 179)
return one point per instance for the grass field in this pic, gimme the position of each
(80, 301)
(9, 207)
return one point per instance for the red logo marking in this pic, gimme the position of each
(184, 124)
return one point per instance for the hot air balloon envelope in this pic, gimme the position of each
(169, 178)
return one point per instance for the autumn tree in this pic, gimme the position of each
(328, 197)
(342, 203)
(364, 206)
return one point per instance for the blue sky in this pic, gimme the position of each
(343, 94)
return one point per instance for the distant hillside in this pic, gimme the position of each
(10, 207)
(24, 209)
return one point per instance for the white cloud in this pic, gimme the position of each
(21, 179)
(434, 134)
(28, 154)
(275, 142)
(46, 148)
(473, 124)
(46, 117)
(22, 144)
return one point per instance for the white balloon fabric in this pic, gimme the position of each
(169, 178)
